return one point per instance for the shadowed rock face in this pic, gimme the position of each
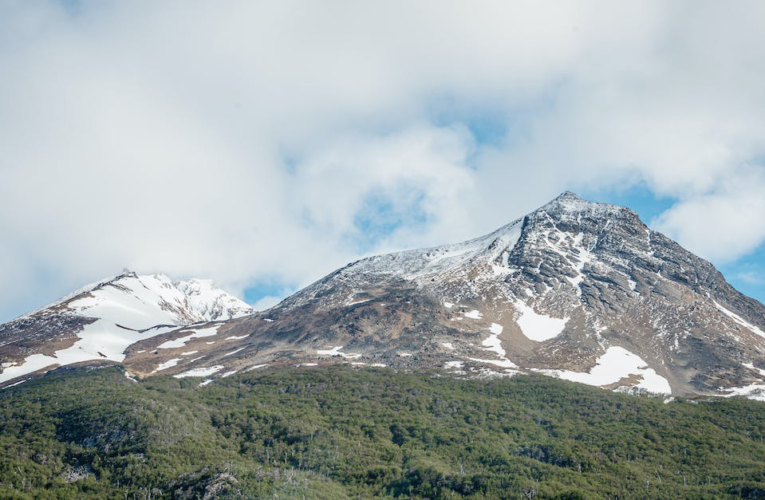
(580, 290)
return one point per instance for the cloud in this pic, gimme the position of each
(280, 141)
(724, 224)
(751, 277)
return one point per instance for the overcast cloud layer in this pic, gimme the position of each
(248, 142)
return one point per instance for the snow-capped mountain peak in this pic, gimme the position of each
(101, 320)
(574, 289)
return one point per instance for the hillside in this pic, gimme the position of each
(343, 432)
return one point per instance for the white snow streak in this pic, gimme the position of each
(335, 351)
(200, 372)
(738, 319)
(167, 364)
(207, 331)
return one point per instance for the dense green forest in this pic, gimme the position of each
(339, 432)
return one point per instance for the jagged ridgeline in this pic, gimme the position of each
(575, 290)
(342, 432)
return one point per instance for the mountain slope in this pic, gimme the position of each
(579, 290)
(340, 432)
(99, 321)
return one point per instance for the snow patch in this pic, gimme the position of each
(538, 327)
(167, 364)
(255, 367)
(200, 372)
(753, 368)
(207, 331)
(753, 391)
(492, 343)
(15, 384)
(335, 351)
(474, 314)
(361, 301)
(616, 364)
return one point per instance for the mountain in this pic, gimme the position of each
(577, 290)
(99, 321)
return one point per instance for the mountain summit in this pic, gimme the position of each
(100, 320)
(575, 289)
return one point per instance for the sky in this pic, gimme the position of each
(263, 145)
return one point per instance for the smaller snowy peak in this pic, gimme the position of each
(100, 321)
(179, 302)
(153, 297)
(212, 302)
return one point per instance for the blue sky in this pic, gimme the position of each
(263, 145)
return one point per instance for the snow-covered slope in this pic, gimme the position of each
(101, 320)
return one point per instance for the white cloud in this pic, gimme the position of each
(750, 277)
(249, 141)
(722, 225)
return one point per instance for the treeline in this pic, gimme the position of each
(339, 432)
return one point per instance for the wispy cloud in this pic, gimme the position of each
(751, 277)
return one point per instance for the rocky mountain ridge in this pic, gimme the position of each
(577, 290)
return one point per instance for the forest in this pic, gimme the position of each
(338, 431)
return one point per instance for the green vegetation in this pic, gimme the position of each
(338, 432)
